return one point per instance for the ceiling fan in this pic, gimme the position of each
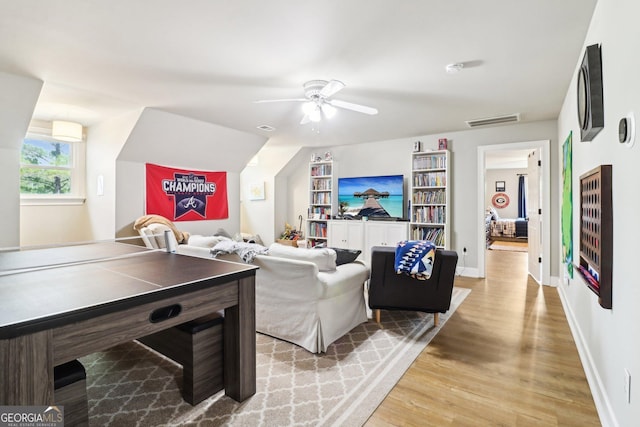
(317, 103)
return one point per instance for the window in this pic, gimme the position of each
(51, 171)
(45, 167)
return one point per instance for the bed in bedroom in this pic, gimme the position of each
(505, 228)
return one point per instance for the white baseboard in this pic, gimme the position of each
(467, 272)
(554, 281)
(600, 398)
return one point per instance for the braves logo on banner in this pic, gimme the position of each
(184, 195)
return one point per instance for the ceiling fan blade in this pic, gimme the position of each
(262, 101)
(355, 107)
(331, 88)
(305, 120)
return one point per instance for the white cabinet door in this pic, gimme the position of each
(346, 234)
(383, 234)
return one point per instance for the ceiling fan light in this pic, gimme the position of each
(315, 115)
(308, 107)
(328, 110)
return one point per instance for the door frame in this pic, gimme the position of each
(545, 178)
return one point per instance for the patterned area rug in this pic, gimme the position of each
(130, 385)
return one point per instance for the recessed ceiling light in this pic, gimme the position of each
(454, 68)
(266, 128)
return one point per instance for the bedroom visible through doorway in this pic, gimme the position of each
(506, 198)
(500, 171)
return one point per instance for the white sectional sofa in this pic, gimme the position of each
(302, 296)
(153, 237)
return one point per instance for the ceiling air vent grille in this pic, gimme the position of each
(494, 120)
(266, 128)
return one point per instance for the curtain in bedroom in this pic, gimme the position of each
(522, 197)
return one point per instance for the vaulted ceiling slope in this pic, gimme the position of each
(209, 60)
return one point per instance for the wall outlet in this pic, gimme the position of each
(627, 385)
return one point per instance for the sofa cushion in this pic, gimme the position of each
(324, 258)
(345, 256)
(205, 241)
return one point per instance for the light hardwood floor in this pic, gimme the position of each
(506, 357)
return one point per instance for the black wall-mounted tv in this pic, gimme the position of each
(372, 196)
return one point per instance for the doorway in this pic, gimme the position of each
(505, 199)
(538, 202)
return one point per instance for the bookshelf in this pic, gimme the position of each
(322, 199)
(429, 197)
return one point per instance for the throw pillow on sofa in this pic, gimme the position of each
(345, 256)
(324, 258)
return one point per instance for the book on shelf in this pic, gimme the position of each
(423, 197)
(319, 212)
(321, 170)
(429, 214)
(321, 198)
(321, 184)
(430, 179)
(430, 161)
(435, 235)
(318, 230)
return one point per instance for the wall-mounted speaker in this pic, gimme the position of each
(590, 97)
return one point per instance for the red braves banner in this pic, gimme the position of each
(186, 195)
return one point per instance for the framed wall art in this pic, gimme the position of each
(256, 191)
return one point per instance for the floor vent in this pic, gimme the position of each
(494, 120)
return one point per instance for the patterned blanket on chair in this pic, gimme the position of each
(415, 258)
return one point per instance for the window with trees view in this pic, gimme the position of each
(46, 167)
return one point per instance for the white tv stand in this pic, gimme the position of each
(363, 235)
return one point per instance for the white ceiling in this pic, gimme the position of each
(506, 159)
(210, 60)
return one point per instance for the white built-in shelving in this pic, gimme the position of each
(322, 199)
(430, 197)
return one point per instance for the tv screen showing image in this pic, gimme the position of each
(372, 196)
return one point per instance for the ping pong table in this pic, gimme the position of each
(59, 304)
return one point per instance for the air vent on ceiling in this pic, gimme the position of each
(494, 120)
(266, 128)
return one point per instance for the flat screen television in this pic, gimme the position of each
(372, 196)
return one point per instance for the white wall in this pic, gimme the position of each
(63, 224)
(394, 157)
(266, 217)
(18, 96)
(117, 150)
(607, 339)
(510, 177)
(130, 203)
(176, 141)
(10, 208)
(104, 142)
